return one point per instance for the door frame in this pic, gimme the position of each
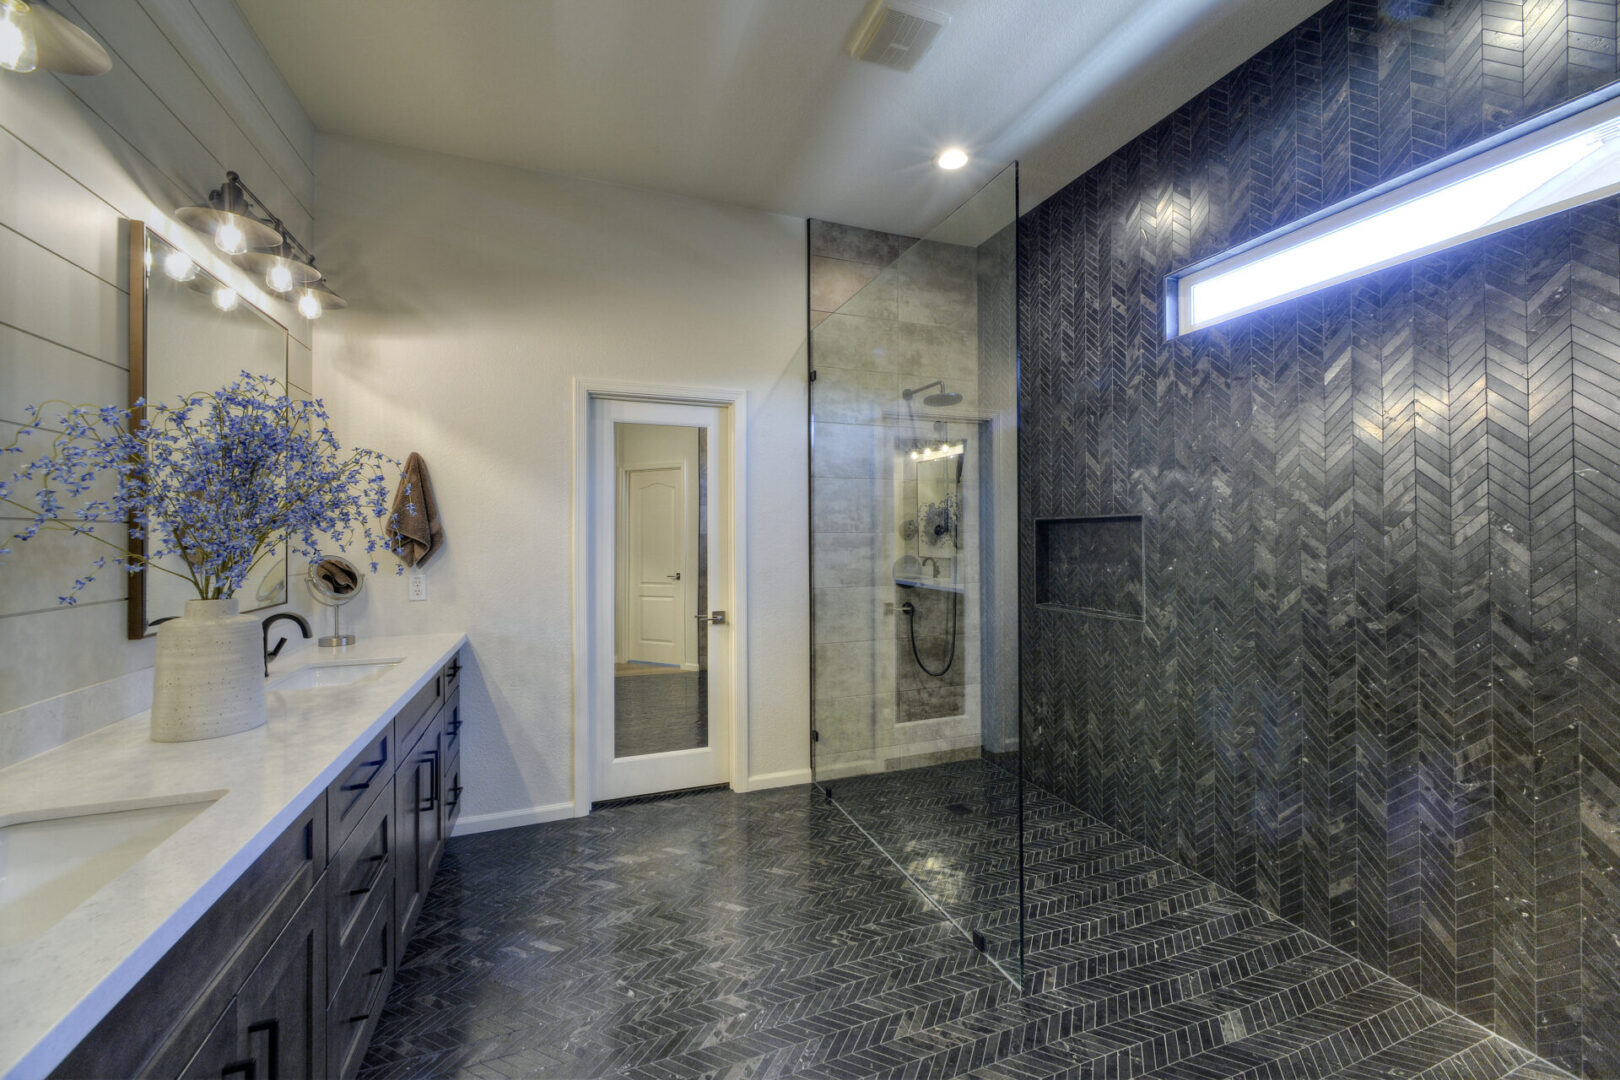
(731, 519)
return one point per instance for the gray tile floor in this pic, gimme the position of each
(723, 935)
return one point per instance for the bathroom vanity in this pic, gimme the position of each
(235, 907)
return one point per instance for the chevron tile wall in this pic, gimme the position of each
(1378, 685)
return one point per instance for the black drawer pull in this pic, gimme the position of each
(431, 758)
(362, 1018)
(376, 876)
(374, 766)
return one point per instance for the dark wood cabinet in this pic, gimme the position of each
(281, 1009)
(286, 975)
(419, 814)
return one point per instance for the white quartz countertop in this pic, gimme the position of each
(58, 985)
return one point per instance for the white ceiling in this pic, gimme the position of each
(753, 102)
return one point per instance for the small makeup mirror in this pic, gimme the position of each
(334, 581)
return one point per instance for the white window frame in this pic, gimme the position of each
(1568, 190)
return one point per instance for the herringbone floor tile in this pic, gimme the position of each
(763, 935)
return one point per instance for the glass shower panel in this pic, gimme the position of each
(913, 409)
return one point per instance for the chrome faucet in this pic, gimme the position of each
(931, 559)
(269, 653)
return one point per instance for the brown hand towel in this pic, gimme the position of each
(416, 529)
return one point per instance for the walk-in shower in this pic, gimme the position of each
(914, 496)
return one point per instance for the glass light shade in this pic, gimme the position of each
(178, 265)
(229, 239)
(19, 48)
(225, 298)
(279, 278)
(1545, 169)
(309, 305)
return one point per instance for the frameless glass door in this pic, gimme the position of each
(913, 410)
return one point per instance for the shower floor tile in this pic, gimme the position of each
(762, 935)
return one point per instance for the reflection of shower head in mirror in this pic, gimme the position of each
(943, 399)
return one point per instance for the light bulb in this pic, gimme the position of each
(229, 239)
(309, 305)
(178, 265)
(19, 51)
(279, 278)
(225, 298)
(954, 158)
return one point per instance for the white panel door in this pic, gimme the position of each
(705, 758)
(655, 518)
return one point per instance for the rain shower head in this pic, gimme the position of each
(942, 399)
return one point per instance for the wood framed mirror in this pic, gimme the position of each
(185, 338)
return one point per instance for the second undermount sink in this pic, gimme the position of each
(54, 860)
(329, 673)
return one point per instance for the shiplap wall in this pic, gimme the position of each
(191, 94)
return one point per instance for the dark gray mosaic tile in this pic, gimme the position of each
(1377, 690)
(758, 936)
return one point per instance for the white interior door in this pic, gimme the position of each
(667, 729)
(656, 542)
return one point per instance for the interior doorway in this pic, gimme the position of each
(661, 707)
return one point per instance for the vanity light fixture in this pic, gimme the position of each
(937, 451)
(316, 298)
(952, 159)
(33, 36)
(1553, 162)
(242, 226)
(285, 268)
(228, 218)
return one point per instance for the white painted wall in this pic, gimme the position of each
(191, 94)
(638, 446)
(478, 293)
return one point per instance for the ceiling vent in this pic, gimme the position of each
(895, 33)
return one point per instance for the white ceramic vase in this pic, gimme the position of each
(209, 677)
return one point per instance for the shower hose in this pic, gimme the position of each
(911, 625)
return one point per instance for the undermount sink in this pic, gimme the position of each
(331, 673)
(54, 860)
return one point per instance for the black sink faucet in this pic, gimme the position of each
(269, 653)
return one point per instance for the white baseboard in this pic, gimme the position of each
(778, 779)
(511, 819)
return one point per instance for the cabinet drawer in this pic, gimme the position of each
(280, 1022)
(452, 791)
(358, 1000)
(452, 675)
(159, 1025)
(451, 717)
(410, 721)
(361, 871)
(351, 793)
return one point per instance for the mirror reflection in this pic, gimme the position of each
(660, 685)
(199, 335)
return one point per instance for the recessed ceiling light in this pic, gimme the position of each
(954, 158)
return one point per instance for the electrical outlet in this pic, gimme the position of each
(418, 585)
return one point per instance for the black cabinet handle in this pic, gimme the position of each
(374, 766)
(376, 875)
(270, 1029)
(431, 759)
